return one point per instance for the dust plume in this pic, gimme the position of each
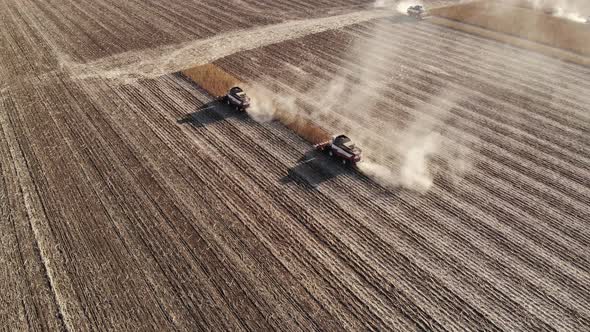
(413, 173)
(265, 106)
(399, 6)
(405, 159)
(572, 16)
(403, 6)
(379, 173)
(397, 153)
(262, 104)
(568, 9)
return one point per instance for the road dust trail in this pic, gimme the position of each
(160, 61)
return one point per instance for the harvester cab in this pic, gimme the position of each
(341, 147)
(418, 12)
(237, 98)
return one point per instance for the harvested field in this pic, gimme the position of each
(131, 199)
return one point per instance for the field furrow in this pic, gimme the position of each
(133, 199)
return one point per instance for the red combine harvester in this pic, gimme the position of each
(341, 147)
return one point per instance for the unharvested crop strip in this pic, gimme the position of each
(217, 82)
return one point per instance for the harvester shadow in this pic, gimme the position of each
(313, 169)
(210, 113)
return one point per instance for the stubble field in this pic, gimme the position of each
(117, 215)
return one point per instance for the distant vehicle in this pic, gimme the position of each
(341, 147)
(417, 11)
(237, 98)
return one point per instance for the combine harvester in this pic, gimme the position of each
(418, 12)
(237, 98)
(341, 147)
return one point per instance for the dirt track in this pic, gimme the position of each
(118, 215)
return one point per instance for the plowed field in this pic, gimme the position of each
(118, 213)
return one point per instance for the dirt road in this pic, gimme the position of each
(119, 212)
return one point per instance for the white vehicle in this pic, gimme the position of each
(418, 12)
(341, 147)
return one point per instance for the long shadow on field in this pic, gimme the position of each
(313, 169)
(210, 113)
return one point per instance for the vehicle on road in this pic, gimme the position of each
(341, 147)
(418, 12)
(237, 98)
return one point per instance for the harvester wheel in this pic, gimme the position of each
(343, 161)
(330, 153)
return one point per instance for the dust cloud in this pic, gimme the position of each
(396, 152)
(262, 103)
(402, 6)
(266, 105)
(574, 10)
(563, 13)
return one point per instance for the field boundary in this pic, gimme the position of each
(512, 40)
(524, 28)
